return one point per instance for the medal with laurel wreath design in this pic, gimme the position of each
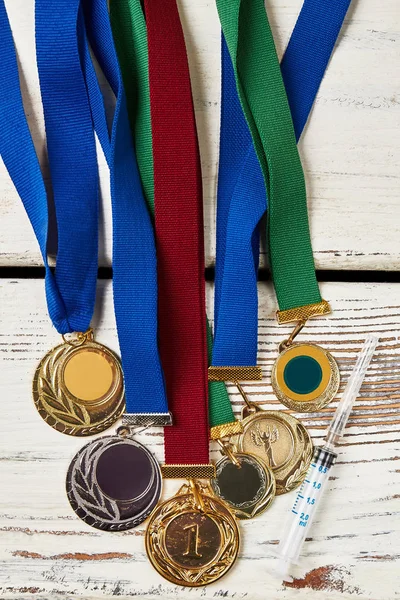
(78, 387)
(281, 441)
(113, 483)
(192, 539)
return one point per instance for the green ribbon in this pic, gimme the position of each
(130, 37)
(263, 97)
(219, 405)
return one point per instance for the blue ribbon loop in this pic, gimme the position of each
(71, 291)
(73, 107)
(242, 198)
(134, 252)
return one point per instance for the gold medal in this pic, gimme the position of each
(305, 377)
(281, 441)
(192, 539)
(78, 388)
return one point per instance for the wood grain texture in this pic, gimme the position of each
(349, 150)
(351, 164)
(47, 552)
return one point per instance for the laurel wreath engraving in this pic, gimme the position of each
(157, 548)
(53, 398)
(286, 478)
(262, 499)
(85, 489)
(86, 497)
(296, 478)
(59, 408)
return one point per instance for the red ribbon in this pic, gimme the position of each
(179, 235)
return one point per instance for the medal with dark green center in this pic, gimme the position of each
(244, 482)
(305, 377)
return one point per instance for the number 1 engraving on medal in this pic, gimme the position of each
(192, 543)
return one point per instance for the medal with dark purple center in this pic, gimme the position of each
(114, 482)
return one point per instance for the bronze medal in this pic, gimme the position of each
(305, 377)
(113, 483)
(192, 539)
(78, 388)
(281, 441)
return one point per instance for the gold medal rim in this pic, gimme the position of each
(287, 476)
(320, 397)
(153, 549)
(53, 399)
(269, 494)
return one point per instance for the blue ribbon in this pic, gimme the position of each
(134, 252)
(308, 53)
(72, 156)
(242, 199)
(72, 104)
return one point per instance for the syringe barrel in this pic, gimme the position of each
(305, 506)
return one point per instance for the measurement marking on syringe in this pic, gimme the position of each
(300, 496)
(307, 480)
(313, 465)
(295, 512)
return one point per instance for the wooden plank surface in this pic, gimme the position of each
(350, 155)
(354, 549)
(349, 150)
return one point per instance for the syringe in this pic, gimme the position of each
(310, 492)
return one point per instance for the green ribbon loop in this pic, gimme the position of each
(263, 97)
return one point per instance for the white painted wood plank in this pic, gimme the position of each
(349, 150)
(47, 552)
